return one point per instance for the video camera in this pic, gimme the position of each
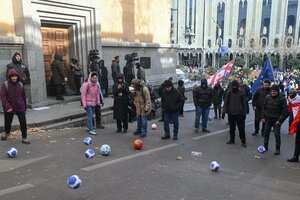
(94, 55)
(132, 57)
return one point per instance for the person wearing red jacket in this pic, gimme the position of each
(14, 102)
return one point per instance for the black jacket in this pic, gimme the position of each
(202, 96)
(217, 95)
(121, 101)
(235, 103)
(171, 101)
(259, 97)
(275, 108)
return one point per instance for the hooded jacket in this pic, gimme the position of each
(90, 94)
(20, 68)
(14, 96)
(58, 74)
(76, 67)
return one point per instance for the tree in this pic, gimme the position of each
(294, 62)
(224, 60)
(257, 61)
(274, 61)
(246, 71)
(239, 62)
(212, 70)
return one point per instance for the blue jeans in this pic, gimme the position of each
(204, 112)
(141, 124)
(168, 117)
(90, 110)
(268, 127)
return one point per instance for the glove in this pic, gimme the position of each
(102, 104)
(223, 115)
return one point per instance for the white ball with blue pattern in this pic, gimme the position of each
(88, 141)
(12, 152)
(105, 149)
(74, 182)
(90, 153)
(261, 149)
(215, 166)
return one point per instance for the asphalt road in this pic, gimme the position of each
(41, 169)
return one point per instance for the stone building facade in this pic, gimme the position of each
(248, 28)
(39, 28)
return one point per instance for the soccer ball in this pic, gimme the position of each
(88, 141)
(153, 126)
(138, 144)
(215, 166)
(12, 152)
(261, 149)
(209, 118)
(74, 182)
(90, 153)
(105, 149)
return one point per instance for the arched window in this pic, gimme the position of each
(252, 43)
(264, 42)
(229, 43)
(276, 42)
(289, 42)
(209, 43)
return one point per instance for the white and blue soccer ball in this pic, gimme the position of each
(215, 166)
(105, 149)
(12, 152)
(90, 153)
(88, 141)
(261, 149)
(74, 182)
(210, 118)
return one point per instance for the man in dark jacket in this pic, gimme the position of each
(258, 101)
(236, 108)
(171, 101)
(115, 68)
(104, 77)
(202, 96)
(217, 98)
(274, 113)
(76, 70)
(128, 72)
(58, 75)
(140, 74)
(14, 102)
(246, 90)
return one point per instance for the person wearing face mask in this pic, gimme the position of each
(90, 96)
(274, 114)
(14, 103)
(202, 97)
(236, 108)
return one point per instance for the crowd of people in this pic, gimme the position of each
(134, 100)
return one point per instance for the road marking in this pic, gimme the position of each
(111, 162)
(15, 189)
(215, 133)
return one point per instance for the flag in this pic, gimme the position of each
(294, 125)
(222, 73)
(265, 74)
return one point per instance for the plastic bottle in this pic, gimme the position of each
(196, 154)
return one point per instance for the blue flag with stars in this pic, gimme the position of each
(265, 74)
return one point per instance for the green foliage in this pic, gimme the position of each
(239, 62)
(257, 61)
(224, 60)
(212, 70)
(274, 61)
(246, 71)
(294, 62)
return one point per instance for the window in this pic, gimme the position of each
(209, 43)
(276, 42)
(229, 43)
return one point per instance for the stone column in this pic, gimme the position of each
(213, 60)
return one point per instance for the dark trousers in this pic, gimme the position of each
(181, 109)
(131, 115)
(257, 119)
(125, 124)
(269, 124)
(8, 118)
(58, 90)
(168, 117)
(240, 122)
(77, 80)
(297, 145)
(217, 107)
(98, 114)
(105, 89)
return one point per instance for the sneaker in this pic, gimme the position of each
(4, 136)
(230, 142)
(118, 131)
(277, 152)
(99, 126)
(255, 133)
(205, 131)
(92, 132)
(196, 130)
(175, 138)
(143, 135)
(124, 131)
(25, 141)
(244, 145)
(165, 137)
(293, 159)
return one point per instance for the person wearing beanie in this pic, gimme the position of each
(217, 99)
(171, 101)
(273, 115)
(235, 105)
(202, 97)
(258, 100)
(14, 103)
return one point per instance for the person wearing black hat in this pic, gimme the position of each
(236, 108)
(202, 97)
(274, 114)
(171, 101)
(258, 100)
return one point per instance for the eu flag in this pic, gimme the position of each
(266, 73)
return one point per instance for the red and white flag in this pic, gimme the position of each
(222, 73)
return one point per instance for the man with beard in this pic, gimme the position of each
(202, 96)
(258, 100)
(236, 108)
